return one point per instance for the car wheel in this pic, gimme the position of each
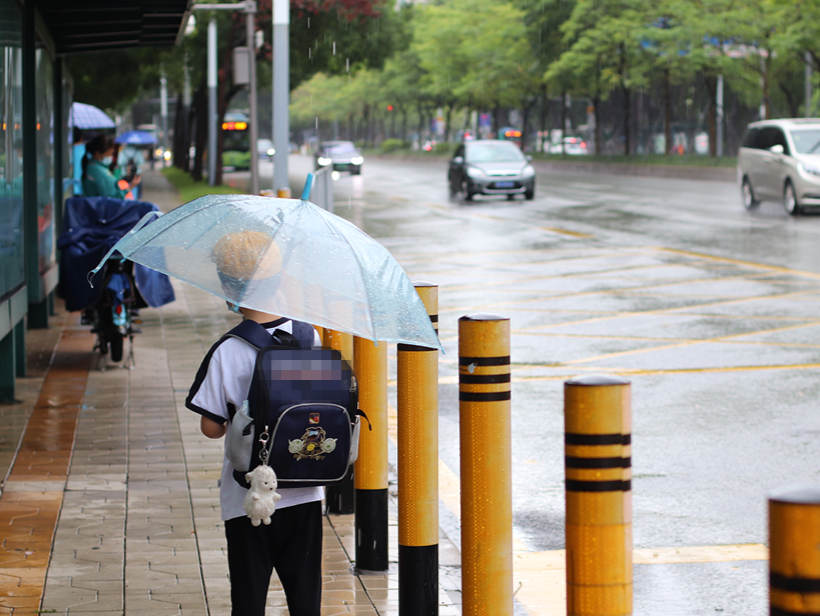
(790, 199)
(529, 195)
(357, 171)
(748, 195)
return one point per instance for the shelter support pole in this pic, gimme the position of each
(417, 398)
(597, 437)
(8, 367)
(794, 550)
(340, 498)
(371, 466)
(486, 465)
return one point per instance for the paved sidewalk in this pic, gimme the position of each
(111, 505)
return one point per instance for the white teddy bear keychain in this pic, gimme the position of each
(260, 502)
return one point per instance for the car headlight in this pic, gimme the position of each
(271, 152)
(809, 169)
(323, 161)
(475, 172)
(357, 160)
(528, 171)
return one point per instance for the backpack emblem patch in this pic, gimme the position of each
(313, 445)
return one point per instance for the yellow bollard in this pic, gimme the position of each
(597, 426)
(486, 465)
(371, 466)
(417, 397)
(794, 551)
(340, 499)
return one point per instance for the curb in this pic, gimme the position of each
(680, 172)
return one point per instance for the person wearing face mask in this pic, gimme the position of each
(98, 181)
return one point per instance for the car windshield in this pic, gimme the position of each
(806, 141)
(344, 147)
(493, 153)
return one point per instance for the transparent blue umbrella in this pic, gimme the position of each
(286, 257)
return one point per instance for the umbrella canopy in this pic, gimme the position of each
(286, 257)
(137, 137)
(88, 116)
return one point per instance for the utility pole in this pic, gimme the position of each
(212, 113)
(281, 96)
(249, 8)
(808, 91)
(719, 131)
(163, 109)
(250, 27)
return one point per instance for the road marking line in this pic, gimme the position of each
(774, 268)
(567, 232)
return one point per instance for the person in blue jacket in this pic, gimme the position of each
(98, 181)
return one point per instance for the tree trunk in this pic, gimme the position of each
(563, 121)
(526, 106)
(667, 112)
(597, 103)
(627, 114)
(542, 114)
(447, 116)
(711, 89)
(496, 122)
(201, 136)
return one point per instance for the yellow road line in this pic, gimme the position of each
(708, 257)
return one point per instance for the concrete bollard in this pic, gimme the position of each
(371, 466)
(486, 465)
(340, 499)
(417, 385)
(794, 551)
(597, 424)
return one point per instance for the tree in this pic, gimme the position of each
(604, 39)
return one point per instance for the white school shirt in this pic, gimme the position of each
(228, 380)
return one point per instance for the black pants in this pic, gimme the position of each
(291, 544)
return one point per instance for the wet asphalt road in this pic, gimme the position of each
(712, 312)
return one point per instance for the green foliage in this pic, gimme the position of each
(392, 145)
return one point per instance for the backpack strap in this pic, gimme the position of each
(253, 333)
(258, 337)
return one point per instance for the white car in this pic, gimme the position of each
(780, 161)
(574, 146)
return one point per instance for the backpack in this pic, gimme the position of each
(301, 416)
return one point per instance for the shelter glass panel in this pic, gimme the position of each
(45, 160)
(12, 257)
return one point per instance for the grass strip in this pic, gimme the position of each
(189, 189)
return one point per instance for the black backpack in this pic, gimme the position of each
(301, 415)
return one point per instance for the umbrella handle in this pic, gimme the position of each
(308, 186)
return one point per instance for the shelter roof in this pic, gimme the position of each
(79, 26)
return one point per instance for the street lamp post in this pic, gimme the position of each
(249, 8)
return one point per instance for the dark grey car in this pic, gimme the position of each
(491, 167)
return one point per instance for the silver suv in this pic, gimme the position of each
(780, 161)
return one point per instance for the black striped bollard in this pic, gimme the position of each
(417, 397)
(486, 464)
(794, 551)
(597, 437)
